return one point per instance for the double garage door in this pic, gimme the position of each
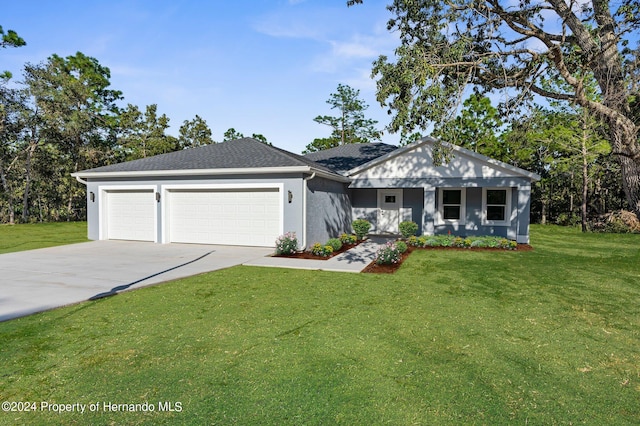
(249, 217)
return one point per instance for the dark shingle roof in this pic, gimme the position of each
(346, 157)
(236, 154)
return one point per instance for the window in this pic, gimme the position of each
(496, 206)
(451, 207)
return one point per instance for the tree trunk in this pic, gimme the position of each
(585, 174)
(624, 135)
(631, 182)
(27, 182)
(9, 192)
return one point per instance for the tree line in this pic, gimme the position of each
(62, 117)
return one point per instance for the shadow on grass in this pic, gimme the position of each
(123, 287)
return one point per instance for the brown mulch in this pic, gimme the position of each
(309, 255)
(374, 268)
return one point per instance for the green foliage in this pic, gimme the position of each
(388, 254)
(287, 244)
(321, 250)
(144, 135)
(334, 243)
(477, 128)
(460, 242)
(350, 126)
(401, 246)
(194, 133)
(408, 228)
(9, 39)
(232, 134)
(348, 238)
(361, 228)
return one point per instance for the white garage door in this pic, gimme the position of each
(248, 217)
(131, 215)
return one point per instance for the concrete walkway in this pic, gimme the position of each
(353, 260)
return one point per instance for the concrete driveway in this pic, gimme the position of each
(37, 280)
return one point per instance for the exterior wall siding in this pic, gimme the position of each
(328, 210)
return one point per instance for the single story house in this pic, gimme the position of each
(244, 192)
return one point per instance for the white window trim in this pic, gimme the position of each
(507, 208)
(463, 207)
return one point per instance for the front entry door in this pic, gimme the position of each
(389, 203)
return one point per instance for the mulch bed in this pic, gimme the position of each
(309, 255)
(374, 268)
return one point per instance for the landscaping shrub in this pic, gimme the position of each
(413, 241)
(287, 243)
(408, 228)
(460, 242)
(401, 246)
(361, 228)
(320, 250)
(335, 243)
(388, 254)
(348, 238)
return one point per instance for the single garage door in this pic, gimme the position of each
(131, 215)
(249, 217)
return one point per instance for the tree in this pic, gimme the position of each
(232, 134)
(194, 133)
(9, 39)
(144, 134)
(350, 126)
(74, 113)
(12, 107)
(477, 128)
(445, 47)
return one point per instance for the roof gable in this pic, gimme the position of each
(346, 157)
(416, 161)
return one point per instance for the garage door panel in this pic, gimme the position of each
(234, 217)
(130, 215)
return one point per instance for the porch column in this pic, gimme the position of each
(429, 211)
(524, 207)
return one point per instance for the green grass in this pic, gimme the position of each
(33, 236)
(550, 336)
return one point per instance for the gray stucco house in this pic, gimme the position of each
(245, 192)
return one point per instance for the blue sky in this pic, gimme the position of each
(258, 66)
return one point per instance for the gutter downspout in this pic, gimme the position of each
(304, 209)
(84, 182)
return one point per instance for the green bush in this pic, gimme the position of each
(361, 228)
(401, 246)
(335, 243)
(348, 238)
(388, 254)
(287, 244)
(320, 250)
(408, 228)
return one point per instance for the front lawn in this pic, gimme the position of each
(549, 336)
(40, 235)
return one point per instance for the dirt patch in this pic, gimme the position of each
(309, 255)
(374, 268)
